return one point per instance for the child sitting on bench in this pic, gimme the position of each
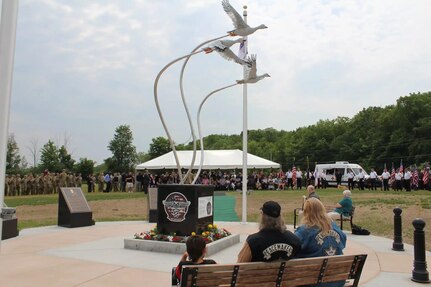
(196, 249)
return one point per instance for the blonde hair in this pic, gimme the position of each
(272, 223)
(315, 215)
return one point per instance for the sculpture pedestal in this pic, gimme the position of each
(184, 208)
(179, 248)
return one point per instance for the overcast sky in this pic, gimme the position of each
(82, 68)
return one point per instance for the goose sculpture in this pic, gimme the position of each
(222, 47)
(241, 28)
(251, 73)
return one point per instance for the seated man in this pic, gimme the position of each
(312, 192)
(343, 207)
(273, 241)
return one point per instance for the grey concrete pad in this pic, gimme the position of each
(47, 251)
(389, 279)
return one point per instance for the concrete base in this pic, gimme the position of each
(178, 248)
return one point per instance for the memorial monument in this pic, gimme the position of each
(183, 209)
(73, 209)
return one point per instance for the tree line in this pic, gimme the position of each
(375, 137)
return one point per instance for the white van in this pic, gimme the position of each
(342, 167)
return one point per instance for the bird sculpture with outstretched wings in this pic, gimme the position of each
(251, 76)
(241, 28)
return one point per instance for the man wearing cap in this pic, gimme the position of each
(273, 241)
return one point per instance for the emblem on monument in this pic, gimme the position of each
(176, 206)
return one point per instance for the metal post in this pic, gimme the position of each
(244, 136)
(9, 15)
(419, 273)
(398, 245)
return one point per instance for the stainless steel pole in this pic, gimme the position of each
(244, 135)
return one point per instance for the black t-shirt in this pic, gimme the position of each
(269, 245)
(182, 263)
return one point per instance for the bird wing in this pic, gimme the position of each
(218, 46)
(229, 55)
(252, 71)
(237, 20)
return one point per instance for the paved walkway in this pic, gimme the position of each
(94, 256)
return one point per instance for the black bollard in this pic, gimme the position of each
(398, 237)
(419, 273)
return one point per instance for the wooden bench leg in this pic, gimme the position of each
(341, 221)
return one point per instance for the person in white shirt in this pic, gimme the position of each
(398, 178)
(373, 178)
(385, 176)
(407, 180)
(299, 179)
(361, 177)
(289, 179)
(350, 177)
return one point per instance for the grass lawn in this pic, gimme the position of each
(374, 209)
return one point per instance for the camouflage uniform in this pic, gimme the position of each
(100, 180)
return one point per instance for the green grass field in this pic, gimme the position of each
(374, 209)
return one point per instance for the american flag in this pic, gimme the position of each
(392, 179)
(415, 180)
(242, 52)
(401, 167)
(425, 176)
(294, 175)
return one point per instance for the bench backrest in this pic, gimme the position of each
(290, 273)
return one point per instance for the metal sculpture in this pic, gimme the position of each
(222, 47)
(250, 79)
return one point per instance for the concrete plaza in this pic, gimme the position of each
(95, 256)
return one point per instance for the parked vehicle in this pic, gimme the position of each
(329, 171)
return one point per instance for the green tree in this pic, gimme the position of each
(85, 167)
(49, 157)
(143, 157)
(14, 160)
(65, 158)
(123, 151)
(159, 146)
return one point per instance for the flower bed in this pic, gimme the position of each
(210, 234)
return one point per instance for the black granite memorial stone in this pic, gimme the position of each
(9, 228)
(184, 208)
(73, 209)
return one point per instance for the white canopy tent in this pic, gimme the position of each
(213, 159)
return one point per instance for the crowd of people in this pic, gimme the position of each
(50, 182)
(44, 183)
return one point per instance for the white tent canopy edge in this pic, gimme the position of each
(213, 159)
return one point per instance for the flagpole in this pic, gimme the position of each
(9, 15)
(244, 133)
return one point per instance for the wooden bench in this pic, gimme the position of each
(295, 272)
(298, 211)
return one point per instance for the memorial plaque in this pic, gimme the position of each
(9, 228)
(152, 204)
(73, 209)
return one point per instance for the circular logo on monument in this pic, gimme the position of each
(176, 206)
